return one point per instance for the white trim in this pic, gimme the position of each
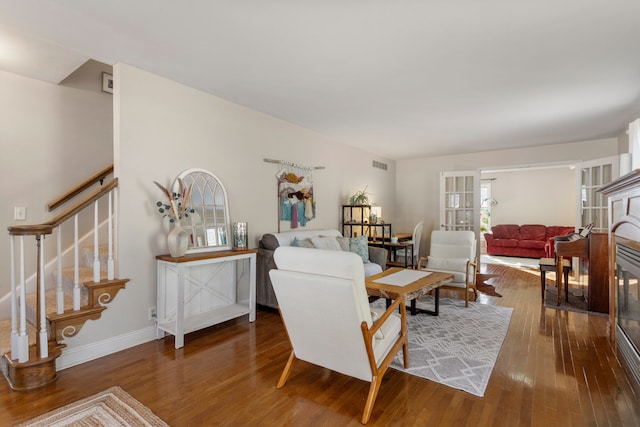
(75, 356)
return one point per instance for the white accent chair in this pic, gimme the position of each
(415, 239)
(454, 252)
(325, 310)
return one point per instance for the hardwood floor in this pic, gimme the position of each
(556, 368)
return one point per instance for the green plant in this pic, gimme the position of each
(360, 197)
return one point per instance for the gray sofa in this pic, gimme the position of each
(265, 296)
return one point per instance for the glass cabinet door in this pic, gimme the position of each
(592, 205)
(458, 209)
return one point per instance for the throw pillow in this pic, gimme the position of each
(344, 243)
(327, 242)
(360, 246)
(304, 243)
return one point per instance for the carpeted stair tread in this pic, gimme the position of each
(84, 273)
(5, 335)
(51, 301)
(87, 256)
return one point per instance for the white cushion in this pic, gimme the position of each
(454, 264)
(286, 237)
(458, 276)
(326, 242)
(371, 268)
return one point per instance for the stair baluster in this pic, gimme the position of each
(76, 266)
(59, 290)
(23, 337)
(14, 304)
(110, 264)
(96, 253)
(41, 316)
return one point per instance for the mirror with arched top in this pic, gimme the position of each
(208, 225)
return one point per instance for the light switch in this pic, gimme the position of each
(19, 213)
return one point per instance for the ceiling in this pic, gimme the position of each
(400, 79)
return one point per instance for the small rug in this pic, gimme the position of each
(576, 303)
(112, 408)
(459, 347)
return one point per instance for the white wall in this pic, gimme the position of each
(534, 196)
(163, 128)
(417, 180)
(51, 138)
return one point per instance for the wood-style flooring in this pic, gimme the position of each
(556, 368)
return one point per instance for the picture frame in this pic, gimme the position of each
(107, 82)
(212, 238)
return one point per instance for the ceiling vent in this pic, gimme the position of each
(379, 165)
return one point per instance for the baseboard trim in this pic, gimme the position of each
(78, 355)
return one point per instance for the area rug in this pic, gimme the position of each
(110, 408)
(459, 347)
(576, 302)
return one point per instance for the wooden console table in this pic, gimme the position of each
(203, 289)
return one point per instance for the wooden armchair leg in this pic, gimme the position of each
(371, 398)
(287, 370)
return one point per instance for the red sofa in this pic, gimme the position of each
(526, 241)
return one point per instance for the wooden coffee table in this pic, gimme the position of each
(411, 289)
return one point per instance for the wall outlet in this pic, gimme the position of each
(152, 313)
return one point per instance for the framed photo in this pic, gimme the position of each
(212, 239)
(107, 82)
(222, 236)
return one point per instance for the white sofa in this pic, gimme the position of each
(270, 242)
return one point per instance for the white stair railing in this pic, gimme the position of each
(19, 332)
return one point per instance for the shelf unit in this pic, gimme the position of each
(355, 222)
(203, 289)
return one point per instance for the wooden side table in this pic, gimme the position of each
(549, 264)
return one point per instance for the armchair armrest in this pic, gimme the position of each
(369, 333)
(379, 256)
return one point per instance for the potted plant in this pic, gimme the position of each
(359, 198)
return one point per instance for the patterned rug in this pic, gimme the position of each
(459, 347)
(112, 407)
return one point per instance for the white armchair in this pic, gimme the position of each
(454, 252)
(325, 310)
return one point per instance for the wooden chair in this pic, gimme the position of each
(325, 310)
(415, 240)
(454, 252)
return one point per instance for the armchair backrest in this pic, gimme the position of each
(323, 301)
(417, 236)
(453, 244)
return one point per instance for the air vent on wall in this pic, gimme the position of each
(379, 165)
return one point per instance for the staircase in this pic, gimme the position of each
(63, 298)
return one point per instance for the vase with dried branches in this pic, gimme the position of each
(176, 208)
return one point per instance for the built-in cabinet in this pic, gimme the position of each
(199, 290)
